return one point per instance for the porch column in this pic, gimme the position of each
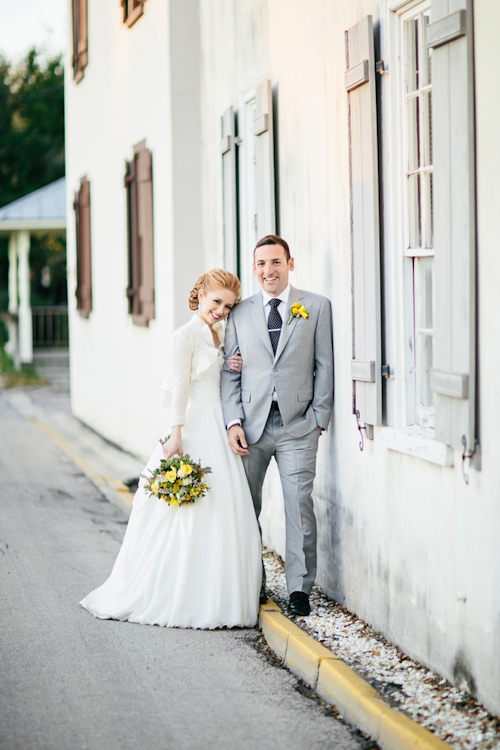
(11, 346)
(25, 321)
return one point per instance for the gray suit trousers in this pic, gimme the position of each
(296, 460)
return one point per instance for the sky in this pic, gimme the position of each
(27, 23)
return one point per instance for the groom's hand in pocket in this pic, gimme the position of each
(237, 440)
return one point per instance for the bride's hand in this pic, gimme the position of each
(235, 362)
(173, 445)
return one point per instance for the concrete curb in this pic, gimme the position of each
(113, 489)
(337, 683)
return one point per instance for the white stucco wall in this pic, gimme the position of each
(401, 540)
(124, 97)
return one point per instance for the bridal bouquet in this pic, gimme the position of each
(178, 480)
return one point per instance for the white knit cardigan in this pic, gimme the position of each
(192, 351)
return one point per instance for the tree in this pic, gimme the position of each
(31, 125)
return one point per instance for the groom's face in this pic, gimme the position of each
(272, 268)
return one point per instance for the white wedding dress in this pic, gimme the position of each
(198, 565)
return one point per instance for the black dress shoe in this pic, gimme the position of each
(299, 604)
(263, 594)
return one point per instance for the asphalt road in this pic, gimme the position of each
(69, 681)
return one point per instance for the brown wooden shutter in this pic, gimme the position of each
(132, 10)
(144, 178)
(139, 184)
(83, 249)
(80, 38)
(132, 244)
(366, 364)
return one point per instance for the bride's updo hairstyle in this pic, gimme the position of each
(216, 279)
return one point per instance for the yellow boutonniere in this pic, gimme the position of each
(297, 310)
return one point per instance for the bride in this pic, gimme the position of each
(198, 565)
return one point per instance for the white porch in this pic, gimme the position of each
(42, 211)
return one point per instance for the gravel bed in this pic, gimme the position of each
(406, 685)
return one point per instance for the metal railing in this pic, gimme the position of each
(50, 326)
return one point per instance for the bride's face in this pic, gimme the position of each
(216, 305)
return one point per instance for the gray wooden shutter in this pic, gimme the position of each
(83, 249)
(145, 235)
(453, 377)
(264, 161)
(366, 365)
(229, 213)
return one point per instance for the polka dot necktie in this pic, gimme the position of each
(274, 323)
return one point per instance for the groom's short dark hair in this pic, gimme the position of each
(273, 239)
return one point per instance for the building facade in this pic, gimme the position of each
(365, 134)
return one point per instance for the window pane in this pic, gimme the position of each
(412, 55)
(426, 266)
(427, 396)
(413, 133)
(427, 134)
(414, 210)
(427, 53)
(429, 210)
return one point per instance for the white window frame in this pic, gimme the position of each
(403, 432)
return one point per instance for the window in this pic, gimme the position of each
(80, 38)
(132, 10)
(419, 219)
(83, 249)
(139, 187)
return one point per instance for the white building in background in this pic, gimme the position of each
(366, 134)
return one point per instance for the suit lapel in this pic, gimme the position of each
(260, 323)
(287, 330)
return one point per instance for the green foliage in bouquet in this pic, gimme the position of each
(178, 480)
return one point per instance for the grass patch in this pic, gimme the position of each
(12, 378)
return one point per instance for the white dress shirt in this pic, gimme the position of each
(282, 309)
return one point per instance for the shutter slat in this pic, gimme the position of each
(229, 216)
(264, 158)
(367, 360)
(453, 376)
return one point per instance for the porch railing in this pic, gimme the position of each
(50, 326)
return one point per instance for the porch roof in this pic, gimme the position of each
(44, 209)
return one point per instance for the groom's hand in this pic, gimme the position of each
(237, 441)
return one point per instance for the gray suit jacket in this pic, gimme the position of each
(301, 373)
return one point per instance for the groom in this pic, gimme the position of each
(282, 400)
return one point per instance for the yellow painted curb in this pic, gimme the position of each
(120, 494)
(337, 683)
(276, 629)
(304, 658)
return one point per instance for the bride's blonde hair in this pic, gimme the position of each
(216, 279)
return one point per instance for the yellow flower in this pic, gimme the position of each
(171, 475)
(296, 305)
(304, 314)
(187, 469)
(174, 503)
(154, 487)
